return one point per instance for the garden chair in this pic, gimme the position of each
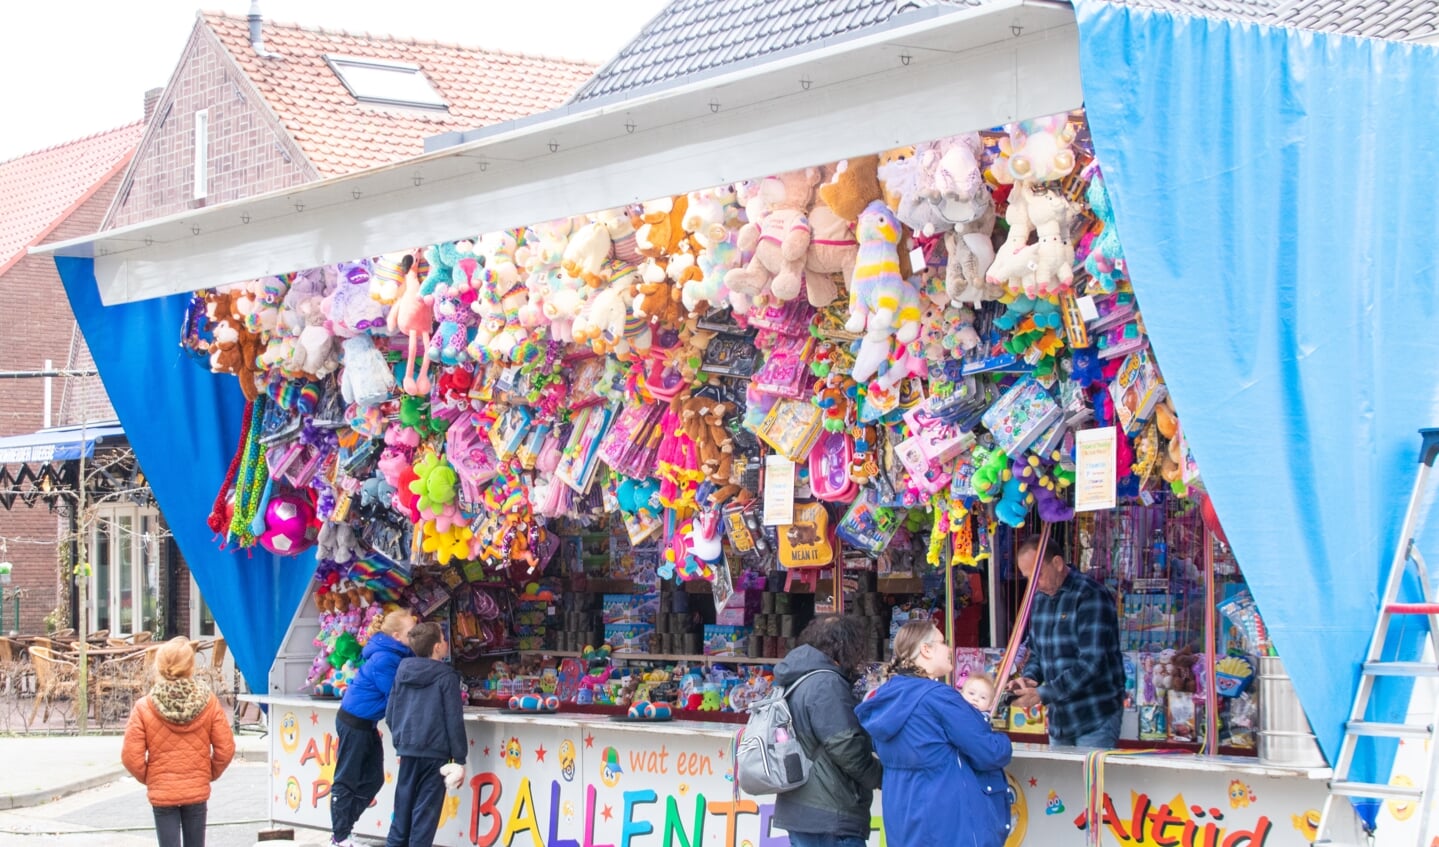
(140, 637)
(54, 678)
(126, 676)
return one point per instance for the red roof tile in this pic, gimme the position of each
(39, 190)
(340, 135)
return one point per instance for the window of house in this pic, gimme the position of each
(202, 154)
(125, 559)
(388, 83)
(202, 620)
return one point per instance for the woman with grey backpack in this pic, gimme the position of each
(832, 807)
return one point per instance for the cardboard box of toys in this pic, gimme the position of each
(629, 637)
(725, 640)
(630, 608)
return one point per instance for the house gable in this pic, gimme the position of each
(249, 152)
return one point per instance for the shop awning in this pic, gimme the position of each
(931, 73)
(57, 444)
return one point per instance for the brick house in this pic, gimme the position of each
(50, 195)
(278, 105)
(253, 107)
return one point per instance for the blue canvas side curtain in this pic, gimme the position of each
(1274, 193)
(184, 424)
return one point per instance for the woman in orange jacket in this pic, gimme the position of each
(177, 742)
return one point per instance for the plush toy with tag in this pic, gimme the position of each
(779, 241)
(965, 203)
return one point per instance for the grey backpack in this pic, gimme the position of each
(769, 758)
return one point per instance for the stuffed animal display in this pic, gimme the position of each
(909, 340)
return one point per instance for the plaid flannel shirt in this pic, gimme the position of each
(1075, 657)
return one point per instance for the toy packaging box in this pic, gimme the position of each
(740, 608)
(1021, 416)
(630, 608)
(1136, 390)
(629, 637)
(725, 640)
(1027, 721)
(967, 660)
(1153, 722)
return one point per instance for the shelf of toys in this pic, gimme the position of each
(625, 457)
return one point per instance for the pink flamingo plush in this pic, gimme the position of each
(415, 317)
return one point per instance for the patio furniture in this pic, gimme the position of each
(54, 678)
(140, 637)
(212, 670)
(128, 676)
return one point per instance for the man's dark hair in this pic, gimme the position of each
(1051, 549)
(424, 637)
(840, 637)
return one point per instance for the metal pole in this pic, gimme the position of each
(82, 584)
(49, 393)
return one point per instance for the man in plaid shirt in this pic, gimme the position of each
(1075, 667)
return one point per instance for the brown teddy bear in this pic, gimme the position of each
(854, 186)
(235, 349)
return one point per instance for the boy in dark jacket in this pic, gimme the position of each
(426, 723)
(832, 808)
(360, 758)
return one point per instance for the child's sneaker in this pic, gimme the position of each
(345, 842)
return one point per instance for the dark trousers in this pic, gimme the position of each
(359, 774)
(180, 826)
(419, 798)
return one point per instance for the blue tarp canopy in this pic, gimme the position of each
(1274, 193)
(57, 444)
(184, 425)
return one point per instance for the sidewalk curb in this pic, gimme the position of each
(28, 799)
(38, 798)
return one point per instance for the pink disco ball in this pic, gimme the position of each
(289, 525)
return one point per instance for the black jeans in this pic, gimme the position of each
(359, 773)
(419, 798)
(180, 825)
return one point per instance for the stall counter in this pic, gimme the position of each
(578, 780)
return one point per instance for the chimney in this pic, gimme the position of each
(152, 99)
(257, 41)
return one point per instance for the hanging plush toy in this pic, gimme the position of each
(1105, 257)
(882, 304)
(779, 241)
(965, 202)
(412, 316)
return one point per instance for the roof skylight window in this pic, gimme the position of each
(387, 83)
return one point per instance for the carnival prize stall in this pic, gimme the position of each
(625, 455)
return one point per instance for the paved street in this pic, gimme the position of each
(118, 814)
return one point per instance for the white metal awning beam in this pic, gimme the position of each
(969, 69)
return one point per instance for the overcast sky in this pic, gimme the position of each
(70, 68)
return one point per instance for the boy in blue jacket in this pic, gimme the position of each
(426, 722)
(360, 758)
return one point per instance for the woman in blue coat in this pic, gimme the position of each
(944, 780)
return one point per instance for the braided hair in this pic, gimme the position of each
(907, 641)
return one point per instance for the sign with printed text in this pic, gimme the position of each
(1095, 475)
(561, 782)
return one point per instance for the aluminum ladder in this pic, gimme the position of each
(1405, 554)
